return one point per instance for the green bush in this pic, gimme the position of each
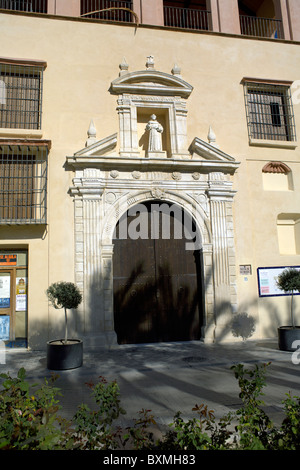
(29, 420)
(28, 415)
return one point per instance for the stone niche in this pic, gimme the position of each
(129, 167)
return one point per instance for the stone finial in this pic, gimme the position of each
(176, 70)
(212, 137)
(150, 62)
(123, 66)
(91, 134)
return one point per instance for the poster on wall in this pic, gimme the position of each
(8, 260)
(4, 327)
(267, 281)
(5, 291)
(21, 294)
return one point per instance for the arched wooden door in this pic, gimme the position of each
(157, 282)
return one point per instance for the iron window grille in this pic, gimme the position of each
(21, 96)
(23, 184)
(36, 6)
(269, 111)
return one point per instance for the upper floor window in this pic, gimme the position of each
(269, 110)
(112, 10)
(36, 6)
(23, 182)
(194, 14)
(21, 95)
(258, 18)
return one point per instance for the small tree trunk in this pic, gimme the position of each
(292, 310)
(66, 327)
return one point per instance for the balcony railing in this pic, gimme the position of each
(36, 6)
(187, 18)
(261, 27)
(114, 10)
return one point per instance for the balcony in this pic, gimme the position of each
(112, 10)
(261, 27)
(36, 6)
(187, 18)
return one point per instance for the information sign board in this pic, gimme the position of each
(267, 281)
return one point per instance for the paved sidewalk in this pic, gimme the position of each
(168, 377)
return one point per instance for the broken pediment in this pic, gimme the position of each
(99, 147)
(210, 154)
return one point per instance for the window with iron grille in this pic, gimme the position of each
(21, 96)
(269, 111)
(23, 184)
(37, 6)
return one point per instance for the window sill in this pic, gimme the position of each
(273, 143)
(21, 133)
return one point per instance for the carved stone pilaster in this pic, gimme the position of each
(221, 200)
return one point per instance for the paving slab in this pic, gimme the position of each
(168, 377)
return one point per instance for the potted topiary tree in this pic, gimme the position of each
(64, 353)
(289, 282)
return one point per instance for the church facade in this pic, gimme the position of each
(154, 165)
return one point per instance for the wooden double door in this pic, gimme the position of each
(157, 281)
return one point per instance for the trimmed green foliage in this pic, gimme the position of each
(29, 420)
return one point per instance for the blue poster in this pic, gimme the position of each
(4, 327)
(5, 303)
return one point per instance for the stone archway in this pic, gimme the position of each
(199, 249)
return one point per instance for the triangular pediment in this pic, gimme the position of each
(202, 149)
(151, 82)
(99, 147)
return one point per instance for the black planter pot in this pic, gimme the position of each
(286, 336)
(61, 356)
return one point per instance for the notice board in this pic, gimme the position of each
(267, 281)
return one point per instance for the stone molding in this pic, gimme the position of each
(197, 178)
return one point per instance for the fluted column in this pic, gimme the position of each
(221, 198)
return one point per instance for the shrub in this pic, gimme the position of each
(28, 415)
(30, 421)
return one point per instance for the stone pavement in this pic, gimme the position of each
(168, 377)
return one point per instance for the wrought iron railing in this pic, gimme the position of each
(36, 6)
(261, 27)
(112, 10)
(187, 18)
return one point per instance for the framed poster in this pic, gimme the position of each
(267, 281)
(21, 294)
(5, 291)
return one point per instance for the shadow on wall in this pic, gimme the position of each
(155, 310)
(177, 316)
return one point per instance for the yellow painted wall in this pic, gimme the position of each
(83, 58)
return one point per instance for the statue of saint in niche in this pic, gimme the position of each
(155, 135)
